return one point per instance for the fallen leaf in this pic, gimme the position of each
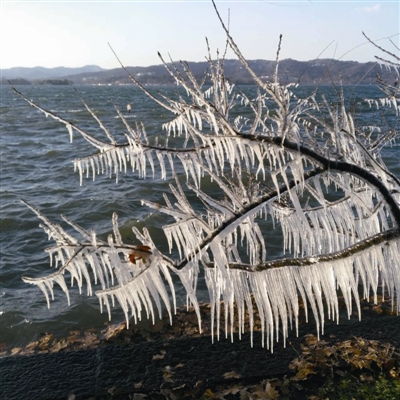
(167, 377)
(232, 390)
(57, 346)
(32, 345)
(113, 330)
(229, 375)
(44, 341)
(210, 394)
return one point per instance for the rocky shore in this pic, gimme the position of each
(164, 361)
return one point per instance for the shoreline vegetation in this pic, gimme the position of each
(24, 82)
(348, 361)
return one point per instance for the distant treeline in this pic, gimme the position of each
(36, 82)
(315, 72)
(305, 72)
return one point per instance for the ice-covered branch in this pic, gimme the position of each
(383, 49)
(341, 166)
(253, 163)
(277, 291)
(378, 239)
(135, 269)
(102, 146)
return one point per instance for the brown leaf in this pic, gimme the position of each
(113, 331)
(32, 345)
(44, 341)
(167, 373)
(16, 350)
(209, 394)
(303, 373)
(231, 390)
(268, 393)
(167, 377)
(57, 346)
(231, 374)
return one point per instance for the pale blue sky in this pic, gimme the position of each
(75, 33)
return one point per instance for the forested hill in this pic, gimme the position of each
(322, 71)
(309, 72)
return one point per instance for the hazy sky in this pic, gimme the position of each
(75, 33)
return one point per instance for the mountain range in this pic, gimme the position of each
(322, 71)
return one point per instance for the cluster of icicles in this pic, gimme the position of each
(142, 287)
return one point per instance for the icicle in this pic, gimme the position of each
(117, 235)
(186, 276)
(70, 131)
(42, 287)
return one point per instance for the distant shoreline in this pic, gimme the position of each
(23, 82)
(316, 72)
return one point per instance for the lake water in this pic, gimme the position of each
(36, 166)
